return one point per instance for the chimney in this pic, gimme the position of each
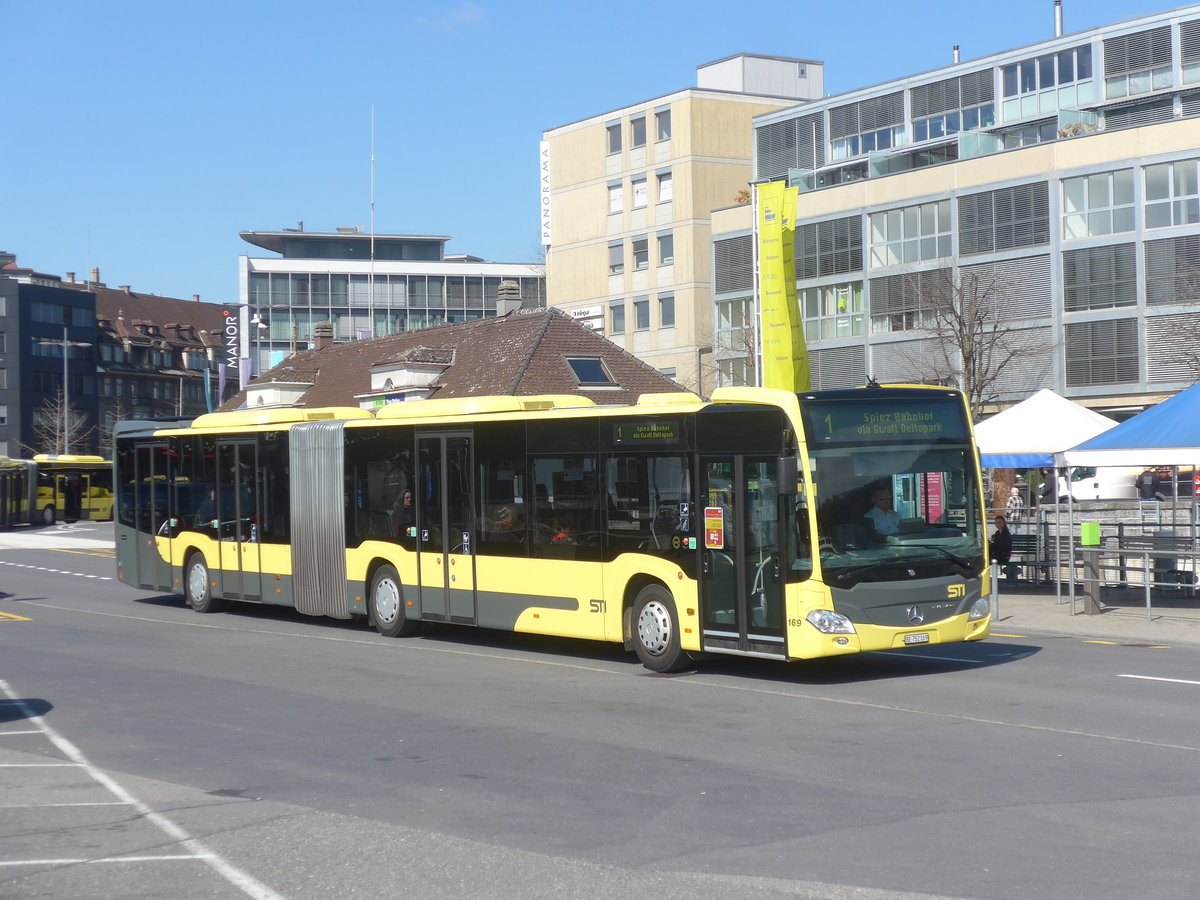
(125, 288)
(196, 297)
(70, 278)
(508, 297)
(322, 335)
(1058, 23)
(95, 274)
(956, 52)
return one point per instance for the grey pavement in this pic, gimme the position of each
(1173, 615)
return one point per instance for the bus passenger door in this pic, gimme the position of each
(237, 517)
(150, 502)
(446, 528)
(741, 583)
(87, 505)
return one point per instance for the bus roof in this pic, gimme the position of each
(241, 418)
(487, 406)
(68, 459)
(474, 406)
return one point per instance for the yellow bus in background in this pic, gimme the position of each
(50, 488)
(676, 527)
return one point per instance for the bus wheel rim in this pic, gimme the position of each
(197, 582)
(654, 627)
(387, 601)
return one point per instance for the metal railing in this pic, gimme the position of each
(1161, 569)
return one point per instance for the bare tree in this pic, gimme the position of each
(56, 428)
(119, 411)
(975, 345)
(1175, 279)
(1188, 347)
(538, 267)
(734, 342)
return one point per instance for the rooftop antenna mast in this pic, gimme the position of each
(371, 278)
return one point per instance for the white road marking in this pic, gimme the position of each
(70, 861)
(196, 850)
(69, 765)
(50, 571)
(1154, 678)
(48, 805)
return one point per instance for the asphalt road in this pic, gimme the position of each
(146, 750)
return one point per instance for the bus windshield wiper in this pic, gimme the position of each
(964, 563)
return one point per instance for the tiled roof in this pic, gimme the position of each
(122, 309)
(521, 354)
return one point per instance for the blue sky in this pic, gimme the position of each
(141, 137)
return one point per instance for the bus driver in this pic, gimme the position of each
(884, 519)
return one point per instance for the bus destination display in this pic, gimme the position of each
(646, 431)
(870, 421)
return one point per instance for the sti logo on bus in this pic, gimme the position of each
(954, 591)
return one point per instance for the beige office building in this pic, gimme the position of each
(1061, 177)
(627, 199)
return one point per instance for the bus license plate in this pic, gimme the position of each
(922, 638)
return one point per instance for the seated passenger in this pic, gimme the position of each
(564, 533)
(403, 514)
(883, 518)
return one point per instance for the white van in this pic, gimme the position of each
(1103, 483)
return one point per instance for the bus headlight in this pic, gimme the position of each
(827, 621)
(979, 609)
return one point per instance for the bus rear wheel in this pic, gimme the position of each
(656, 631)
(387, 605)
(49, 515)
(198, 589)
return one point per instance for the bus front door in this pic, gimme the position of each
(446, 528)
(70, 489)
(237, 518)
(741, 584)
(152, 501)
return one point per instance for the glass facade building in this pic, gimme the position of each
(366, 286)
(1058, 179)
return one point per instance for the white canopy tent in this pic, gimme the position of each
(1029, 434)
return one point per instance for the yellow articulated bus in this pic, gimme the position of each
(760, 523)
(51, 487)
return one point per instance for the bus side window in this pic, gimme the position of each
(501, 489)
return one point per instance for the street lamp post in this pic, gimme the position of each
(257, 335)
(66, 352)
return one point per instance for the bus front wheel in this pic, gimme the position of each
(199, 590)
(387, 605)
(656, 631)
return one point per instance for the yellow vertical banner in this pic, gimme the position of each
(784, 355)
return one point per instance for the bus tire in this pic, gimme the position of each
(197, 588)
(49, 515)
(386, 599)
(656, 630)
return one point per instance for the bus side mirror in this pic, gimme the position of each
(787, 475)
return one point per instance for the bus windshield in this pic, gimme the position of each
(881, 508)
